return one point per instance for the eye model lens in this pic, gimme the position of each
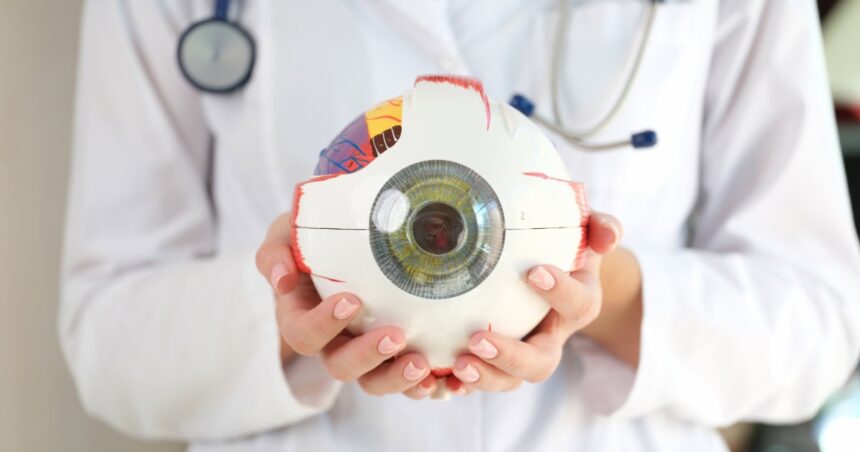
(436, 229)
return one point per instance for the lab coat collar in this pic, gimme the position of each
(425, 23)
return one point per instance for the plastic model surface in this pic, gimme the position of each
(431, 208)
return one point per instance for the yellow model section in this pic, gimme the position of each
(384, 116)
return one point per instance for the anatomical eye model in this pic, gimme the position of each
(431, 208)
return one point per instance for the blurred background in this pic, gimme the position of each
(39, 410)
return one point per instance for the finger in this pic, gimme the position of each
(397, 375)
(477, 374)
(274, 258)
(307, 326)
(574, 295)
(348, 358)
(604, 232)
(455, 387)
(425, 388)
(532, 360)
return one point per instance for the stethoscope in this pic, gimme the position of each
(217, 55)
(639, 140)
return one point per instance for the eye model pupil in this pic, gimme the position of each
(438, 228)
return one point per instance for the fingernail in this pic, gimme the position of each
(386, 346)
(613, 227)
(467, 374)
(425, 388)
(344, 308)
(278, 272)
(412, 373)
(484, 349)
(461, 391)
(542, 278)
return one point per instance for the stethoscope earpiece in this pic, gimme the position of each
(522, 104)
(643, 139)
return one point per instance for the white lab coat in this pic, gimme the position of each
(739, 218)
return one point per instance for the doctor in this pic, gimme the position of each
(733, 295)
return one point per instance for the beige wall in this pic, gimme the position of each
(39, 410)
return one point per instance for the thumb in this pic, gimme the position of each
(275, 259)
(604, 232)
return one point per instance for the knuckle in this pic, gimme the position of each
(340, 376)
(299, 344)
(543, 371)
(592, 309)
(513, 385)
(555, 322)
(587, 311)
(569, 295)
(260, 258)
(302, 348)
(506, 361)
(537, 376)
(328, 327)
(370, 388)
(412, 395)
(367, 354)
(337, 371)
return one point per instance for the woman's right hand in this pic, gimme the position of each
(311, 326)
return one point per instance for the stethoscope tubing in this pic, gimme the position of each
(561, 35)
(642, 139)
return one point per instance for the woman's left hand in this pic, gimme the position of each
(499, 363)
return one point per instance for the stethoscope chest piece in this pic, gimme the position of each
(216, 55)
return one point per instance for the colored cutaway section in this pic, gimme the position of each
(363, 140)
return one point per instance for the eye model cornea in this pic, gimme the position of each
(436, 229)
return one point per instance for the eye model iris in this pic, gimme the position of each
(436, 229)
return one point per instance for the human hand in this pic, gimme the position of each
(499, 363)
(311, 326)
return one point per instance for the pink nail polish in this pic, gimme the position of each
(484, 349)
(344, 308)
(467, 374)
(612, 227)
(542, 278)
(412, 373)
(386, 346)
(278, 272)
